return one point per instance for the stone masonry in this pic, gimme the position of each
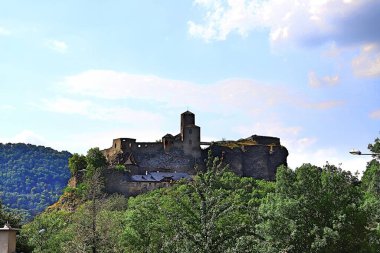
(255, 156)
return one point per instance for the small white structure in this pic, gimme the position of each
(7, 239)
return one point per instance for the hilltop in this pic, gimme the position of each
(32, 177)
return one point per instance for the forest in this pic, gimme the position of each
(32, 177)
(306, 209)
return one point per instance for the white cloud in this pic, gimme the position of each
(97, 111)
(322, 105)
(320, 156)
(81, 142)
(68, 106)
(57, 45)
(325, 81)
(25, 136)
(4, 31)
(230, 94)
(345, 24)
(367, 63)
(269, 128)
(307, 22)
(98, 95)
(220, 20)
(375, 114)
(7, 108)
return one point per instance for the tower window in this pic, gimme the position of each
(190, 131)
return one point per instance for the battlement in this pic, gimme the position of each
(188, 140)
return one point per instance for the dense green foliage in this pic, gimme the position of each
(314, 210)
(77, 164)
(86, 165)
(62, 231)
(32, 177)
(217, 212)
(309, 209)
(371, 188)
(8, 217)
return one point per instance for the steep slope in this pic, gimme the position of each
(32, 177)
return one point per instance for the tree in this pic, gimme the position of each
(77, 163)
(28, 171)
(9, 217)
(212, 215)
(371, 187)
(47, 232)
(146, 226)
(95, 192)
(216, 212)
(375, 147)
(62, 231)
(314, 210)
(85, 226)
(95, 160)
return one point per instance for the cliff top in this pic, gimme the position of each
(250, 141)
(236, 144)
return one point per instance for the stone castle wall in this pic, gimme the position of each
(119, 182)
(255, 156)
(175, 160)
(258, 161)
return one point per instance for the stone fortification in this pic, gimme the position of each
(255, 156)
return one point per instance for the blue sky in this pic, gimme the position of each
(76, 74)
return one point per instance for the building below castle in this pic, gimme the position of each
(151, 165)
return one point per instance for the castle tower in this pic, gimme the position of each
(187, 119)
(190, 135)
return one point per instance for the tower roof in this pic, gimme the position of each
(187, 112)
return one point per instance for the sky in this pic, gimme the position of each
(77, 74)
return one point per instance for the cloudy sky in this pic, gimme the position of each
(76, 74)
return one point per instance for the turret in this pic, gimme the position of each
(187, 119)
(190, 135)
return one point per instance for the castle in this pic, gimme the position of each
(149, 165)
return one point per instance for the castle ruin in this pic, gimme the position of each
(149, 165)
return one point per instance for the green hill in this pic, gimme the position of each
(32, 177)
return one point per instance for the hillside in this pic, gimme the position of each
(32, 177)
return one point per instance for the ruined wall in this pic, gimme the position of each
(152, 157)
(258, 161)
(116, 182)
(175, 160)
(119, 182)
(265, 140)
(136, 188)
(255, 156)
